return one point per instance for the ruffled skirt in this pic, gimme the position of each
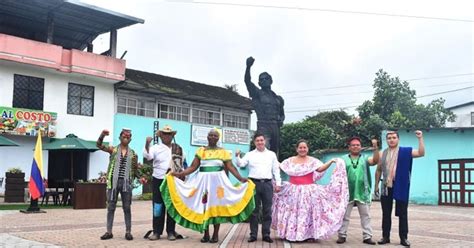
(207, 198)
(311, 211)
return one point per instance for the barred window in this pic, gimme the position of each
(208, 117)
(80, 99)
(136, 107)
(237, 121)
(146, 108)
(180, 113)
(28, 92)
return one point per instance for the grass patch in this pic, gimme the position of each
(25, 206)
(145, 197)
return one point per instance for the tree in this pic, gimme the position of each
(319, 136)
(394, 106)
(339, 121)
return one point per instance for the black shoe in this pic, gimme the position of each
(267, 239)
(383, 241)
(171, 237)
(341, 240)
(369, 241)
(107, 235)
(154, 236)
(128, 236)
(205, 239)
(179, 236)
(251, 239)
(214, 240)
(405, 242)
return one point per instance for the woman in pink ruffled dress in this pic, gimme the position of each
(303, 210)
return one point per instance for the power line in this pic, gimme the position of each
(354, 85)
(448, 91)
(324, 105)
(342, 107)
(364, 92)
(335, 94)
(325, 109)
(332, 10)
(443, 76)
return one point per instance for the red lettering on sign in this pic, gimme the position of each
(19, 115)
(33, 116)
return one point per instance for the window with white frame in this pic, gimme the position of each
(237, 121)
(174, 112)
(206, 115)
(133, 106)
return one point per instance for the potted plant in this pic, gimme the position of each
(15, 185)
(142, 174)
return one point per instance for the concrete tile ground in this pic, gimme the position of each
(430, 226)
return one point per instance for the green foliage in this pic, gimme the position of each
(392, 106)
(26, 206)
(142, 173)
(395, 105)
(146, 197)
(391, 95)
(14, 170)
(318, 136)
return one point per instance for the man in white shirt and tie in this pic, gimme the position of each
(263, 167)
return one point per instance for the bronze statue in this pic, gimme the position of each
(268, 107)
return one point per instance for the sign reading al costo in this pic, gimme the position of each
(19, 121)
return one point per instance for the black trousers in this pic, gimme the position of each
(159, 211)
(263, 200)
(401, 210)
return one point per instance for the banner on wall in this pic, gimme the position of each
(156, 127)
(28, 122)
(236, 136)
(199, 135)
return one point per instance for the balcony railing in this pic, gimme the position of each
(46, 55)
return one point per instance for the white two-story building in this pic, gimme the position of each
(51, 80)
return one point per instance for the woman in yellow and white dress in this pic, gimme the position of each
(208, 197)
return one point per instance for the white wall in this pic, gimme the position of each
(463, 116)
(20, 157)
(55, 100)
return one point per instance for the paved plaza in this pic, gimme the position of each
(430, 226)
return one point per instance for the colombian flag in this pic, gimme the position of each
(36, 178)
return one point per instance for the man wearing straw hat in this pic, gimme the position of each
(166, 156)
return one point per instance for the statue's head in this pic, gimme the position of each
(265, 80)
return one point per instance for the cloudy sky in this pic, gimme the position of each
(322, 55)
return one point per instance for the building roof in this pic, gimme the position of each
(461, 105)
(156, 84)
(75, 24)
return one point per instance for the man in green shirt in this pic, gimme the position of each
(359, 181)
